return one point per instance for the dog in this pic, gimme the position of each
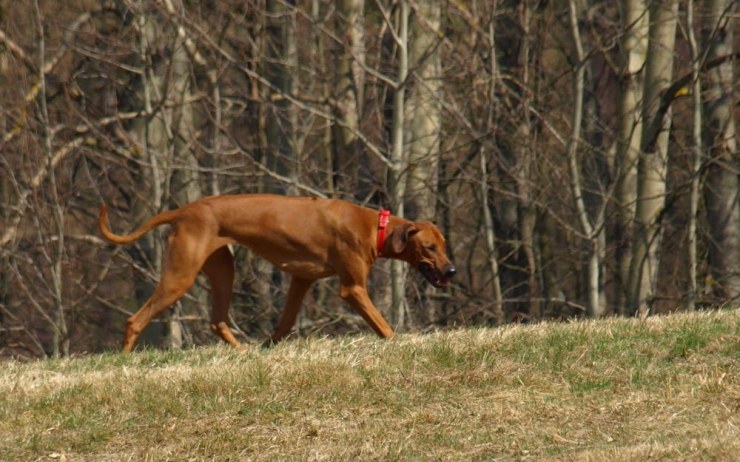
(310, 238)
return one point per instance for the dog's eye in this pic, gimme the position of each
(432, 248)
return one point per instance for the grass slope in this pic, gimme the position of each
(663, 389)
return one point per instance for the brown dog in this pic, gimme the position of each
(309, 238)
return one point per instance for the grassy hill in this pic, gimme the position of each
(666, 388)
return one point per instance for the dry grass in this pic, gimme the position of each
(663, 389)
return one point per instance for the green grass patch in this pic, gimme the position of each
(618, 389)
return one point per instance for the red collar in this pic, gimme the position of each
(383, 218)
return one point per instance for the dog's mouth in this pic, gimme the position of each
(433, 276)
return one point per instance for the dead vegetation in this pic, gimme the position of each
(662, 389)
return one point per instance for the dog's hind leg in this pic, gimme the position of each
(296, 292)
(181, 266)
(219, 268)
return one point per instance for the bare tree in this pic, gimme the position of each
(722, 184)
(423, 120)
(423, 111)
(653, 162)
(489, 228)
(399, 157)
(696, 154)
(349, 85)
(60, 338)
(525, 159)
(633, 53)
(164, 84)
(591, 227)
(491, 117)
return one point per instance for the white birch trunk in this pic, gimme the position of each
(696, 165)
(653, 162)
(349, 82)
(399, 162)
(629, 131)
(151, 134)
(591, 229)
(423, 112)
(423, 129)
(722, 184)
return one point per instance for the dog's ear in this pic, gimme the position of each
(400, 236)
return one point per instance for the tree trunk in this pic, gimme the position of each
(591, 228)
(5, 289)
(489, 228)
(423, 122)
(423, 113)
(60, 334)
(653, 162)
(168, 137)
(280, 66)
(490, 233)
(277, 55)
(721, 187)
(696, 164)
(399, 161)
(525, 160)
(185, 175)
(629, 132)
(348, 87)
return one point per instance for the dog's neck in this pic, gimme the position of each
(395, 225)
(384, 217)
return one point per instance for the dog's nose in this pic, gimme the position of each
(450, 271)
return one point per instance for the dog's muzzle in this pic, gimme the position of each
(437, 278)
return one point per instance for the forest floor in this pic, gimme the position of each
(667, 388)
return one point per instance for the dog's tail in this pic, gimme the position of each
(152, 223)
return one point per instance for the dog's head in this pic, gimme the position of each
(422, 245)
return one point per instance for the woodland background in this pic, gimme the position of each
(580, 156)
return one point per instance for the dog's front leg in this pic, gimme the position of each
(357, 296)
